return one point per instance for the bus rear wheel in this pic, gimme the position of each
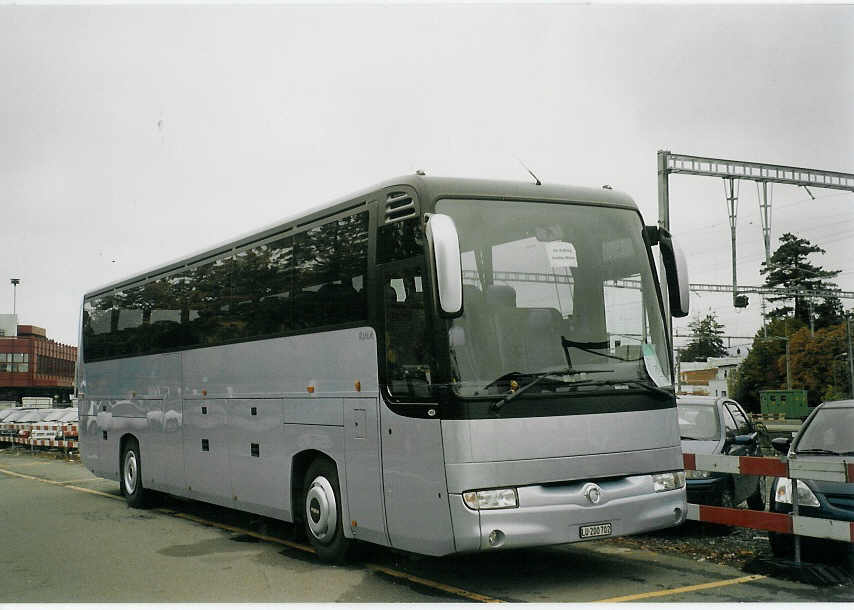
(130, 477)
(322, 512)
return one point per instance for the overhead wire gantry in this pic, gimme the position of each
(765, 175)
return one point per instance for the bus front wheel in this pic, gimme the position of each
(131, 475)
(322, 512)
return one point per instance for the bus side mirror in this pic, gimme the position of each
(676, 272)
(444, 246)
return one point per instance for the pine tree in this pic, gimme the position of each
(789, 268)
(706, 341)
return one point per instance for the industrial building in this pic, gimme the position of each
(33, 365)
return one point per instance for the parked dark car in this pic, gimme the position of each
(719, 426)
(828, 431)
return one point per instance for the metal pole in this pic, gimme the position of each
(850, 361)
(764, 320)
(765, 216)
(15, 281)
(664, 223)
(732, 209)
(795, 514)
(788, 370)
(812, 321)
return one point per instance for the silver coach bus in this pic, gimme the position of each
(436, 365)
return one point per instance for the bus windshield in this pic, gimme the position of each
(559, 293)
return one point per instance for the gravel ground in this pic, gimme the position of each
(734, 546)
(746, 549)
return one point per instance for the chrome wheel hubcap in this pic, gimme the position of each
(321, 512)
(130, 472)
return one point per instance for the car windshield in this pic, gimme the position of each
(554, 287)
(698, 422)
(831, 430)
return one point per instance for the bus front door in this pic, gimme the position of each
(415, 489)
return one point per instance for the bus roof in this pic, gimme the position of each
(429, 188)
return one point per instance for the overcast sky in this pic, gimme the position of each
(131, 136)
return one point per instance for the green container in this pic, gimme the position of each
(790, 403)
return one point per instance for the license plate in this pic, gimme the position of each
(595, 530)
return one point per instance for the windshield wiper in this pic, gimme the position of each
(637, 382)
(539, 377)
(507, 376)
(592, 347)
(652, 388)
(816, 452)
(582, 382)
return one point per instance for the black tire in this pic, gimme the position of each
(782, 545)
(756, 501)
(320, 491)
(130, 475)
(727, 497)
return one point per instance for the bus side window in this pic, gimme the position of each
(408, 371)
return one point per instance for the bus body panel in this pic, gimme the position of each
(555, 514)
(159, 399)
(328, 440)
(131, 395)
(87, 433)
(416, 498)
(330, 362)
(168, 447)
(483, 440)
(364, 470)
(510, 473)
(257, 457)
(617, 451)
(206, 459)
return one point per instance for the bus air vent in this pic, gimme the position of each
(399, 206)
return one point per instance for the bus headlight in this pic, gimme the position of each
(488, 499)
(783, 494)
(667, 481)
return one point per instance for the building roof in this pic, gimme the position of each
(712, 363)
(698, 377)
(25, 330)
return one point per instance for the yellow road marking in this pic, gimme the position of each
(95, 492)
(31, 463)
(477, 597)
(302, 547)
(700, 587)
(237, 530)
(79, 480)
(308, 549)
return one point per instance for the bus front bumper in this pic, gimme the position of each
(561, 513)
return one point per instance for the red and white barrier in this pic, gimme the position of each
(52, 443)
(26, 441)
(66, 429)
(773, 522)
(824, 469)
(837, 470)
